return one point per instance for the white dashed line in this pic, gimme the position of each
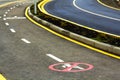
(11, 8)
(17, 5)
(4, 15)
(12, 30)
(4, 19)
(15, 17)
(6, 12)
(14, 7)
(0, 17)
(7, 24)
(25, 40)
(54, 57)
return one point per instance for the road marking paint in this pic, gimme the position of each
(54, 57)
(11, 8)
(15, 17)
(2, 78)
(0, 17)
(100, 15)
(17, 5)
(4, 19)
(14, 7)
(4, 15)
(6, 12)
(12, 30)
(71, 68)
(2, 5)
(60, 60)
(7, 24)
(25, 40)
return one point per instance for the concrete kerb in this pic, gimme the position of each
(91, 42)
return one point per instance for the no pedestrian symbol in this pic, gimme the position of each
(71, 67)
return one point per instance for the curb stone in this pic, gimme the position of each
(103, 46)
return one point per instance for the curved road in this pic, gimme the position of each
(26, 52)
(89, 13)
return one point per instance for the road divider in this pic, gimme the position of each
(100, 47)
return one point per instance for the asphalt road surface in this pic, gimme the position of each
(28, 51)
(89, 13)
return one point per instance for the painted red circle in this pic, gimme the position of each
(89, 67)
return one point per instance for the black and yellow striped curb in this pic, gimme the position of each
(100, 2)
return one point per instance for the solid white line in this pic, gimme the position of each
(54, 57)
(25, 40)
(12, 30)
(94, 13)
(7, 24)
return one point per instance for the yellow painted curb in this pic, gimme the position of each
(69, 39)
(107, 5)
(2, 78)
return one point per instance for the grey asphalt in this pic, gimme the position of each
(22, 61)
(66, 10)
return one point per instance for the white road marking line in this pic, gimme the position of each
(0, 17)
(4, 19)
(4, 15)
(54, 57)
(25, 40)
(11, 8)
(12, 30)
(60, 60)
(15, 17)
(17, 5)
(7, 24)
(6, 12)
(74, 3)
